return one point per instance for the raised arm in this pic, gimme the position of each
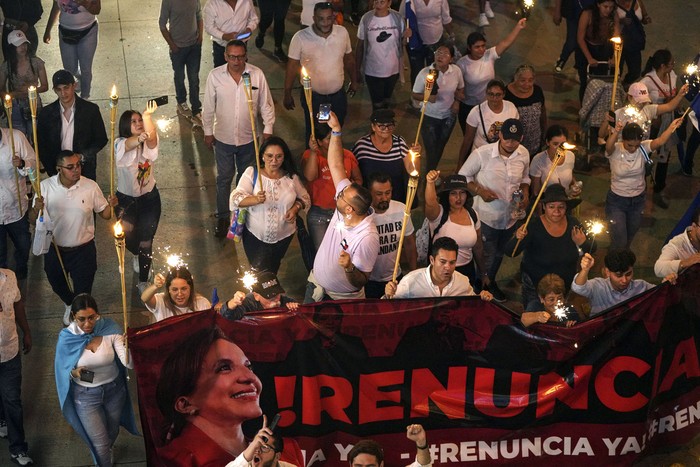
(510, 38)
(335, 151)
(663, 137)
(432, 207)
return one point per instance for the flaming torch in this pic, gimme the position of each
(33, 107)
(113, 100)
(617, 44)
(410, 194)
(306, 83)
(249, 98)
(429, 83)
(120, 245)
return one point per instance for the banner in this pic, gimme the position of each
(487, 390)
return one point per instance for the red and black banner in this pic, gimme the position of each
(487, 390)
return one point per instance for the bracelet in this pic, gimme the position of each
(422, 447)
(336, 133)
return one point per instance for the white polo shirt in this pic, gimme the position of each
(448, 82)
(322, 57)
(71, 209)
(502, 175)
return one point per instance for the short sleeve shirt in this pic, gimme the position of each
(492, 122)
(477, 74)
(627, 176)
(448, 82)
(389, 226)
(322, 57)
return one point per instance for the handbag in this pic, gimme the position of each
(308, 252)
(238, 217)
(43, 234)
(73, 37)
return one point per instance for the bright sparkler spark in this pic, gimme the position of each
(528, 4)
(595, 227)
(691, 69)
(560, 310)
(174, 261)
(164, 124)
(249, 280)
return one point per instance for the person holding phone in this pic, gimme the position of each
(228, 20)
(90, 373)
(135, 151)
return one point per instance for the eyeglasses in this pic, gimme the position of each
(386, 126)
(71, 167)
(271, 156)
(340, 196)
(91, 318)
(265, 448)
(494, 94)
(234, 58)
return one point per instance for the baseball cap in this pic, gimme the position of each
(454, 182)
(17, 38)
(267, 285)
(382, 116)
(639, 93)
(62, 77)
(512, 129)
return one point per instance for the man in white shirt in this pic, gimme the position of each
(325, 51)
(494, 172)
(70, 201)
(12, 315)
(388, 217)
(13, 199)
(228, 20)
(350, 245)
(437, 280)
(682, 251)
(226, 122)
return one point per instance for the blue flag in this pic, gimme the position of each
(214, 297)
(414, 42)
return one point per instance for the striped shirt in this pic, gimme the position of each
(372, 160)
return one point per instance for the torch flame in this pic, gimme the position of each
(616, 40)
(118, 230)
(568, 146)
(113, 94)
(431, 76)
(413, 155)
(304, 73)
(8, 100)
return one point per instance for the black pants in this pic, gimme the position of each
(381, 89)
(80, 263)
(140, 216)
(633, 60)
(464, 110)
(273, 10)
(218, 52)
(264, 256)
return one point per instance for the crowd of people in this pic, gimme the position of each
(351, 200)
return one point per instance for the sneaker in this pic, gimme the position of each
(259, 41)
(488, 11)
(3, 429)
(280, 55)
(135, 263)
(21, 459)
(141, 286)
(660, 200)
(183, 109)
(498, 295)
(483, 21)
(66, 316)
(559, 66)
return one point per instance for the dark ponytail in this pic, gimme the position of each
(659, 58)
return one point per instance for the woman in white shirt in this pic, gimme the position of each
(179, 296)
(139, 201)
(77, 34)
(628, 160)
(90, 363)
(484, 120)
(273, 199)
(541, 164)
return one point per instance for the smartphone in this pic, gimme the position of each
(243, 36)
(87, 376)
(274, 422)
(160, 101)
(324, 113)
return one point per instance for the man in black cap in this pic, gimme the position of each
(70, 123)
(498, 177)
(267, 293)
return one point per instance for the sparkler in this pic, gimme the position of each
(617, 44)
(249, 280)
(174, 261)
(691, 72)
(527, 8)
(560, 310)
(594, 228)
(633, 115)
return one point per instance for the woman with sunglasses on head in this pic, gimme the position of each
(139, 200)
(528, 98)
(90, 363)
(382, 151)
(273, 199)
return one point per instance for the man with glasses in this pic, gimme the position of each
(70, 123)
(226, 122)
(268, 455)
(70, 200)
(325, 51)
(351, 244)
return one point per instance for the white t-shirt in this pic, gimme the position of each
(477, 74)
(361, 242)
(74, 16)
(562, 175)
(380, 61)
(464, 235)
(492, 122)
(448, 82)
(627, 170)
(307, 12)
(322, 57)
(431, 18)
(389, 226)
(160, 311)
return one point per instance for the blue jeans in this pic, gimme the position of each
(187, 58)
(229, 160)
(140, 217)
(99, 410)
(10, 391)
(21, 239)
(436, 133)
(339, 105)
(494, 243)
(624, 218)
(78, 59)
(317, 221)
